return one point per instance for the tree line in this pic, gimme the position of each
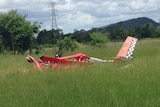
(147, 30)
(17, 35)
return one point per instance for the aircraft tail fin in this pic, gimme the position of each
(127, 49)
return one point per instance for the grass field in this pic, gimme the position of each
(129, 84)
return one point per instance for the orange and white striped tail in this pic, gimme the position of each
(127, 49)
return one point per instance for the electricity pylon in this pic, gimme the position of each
(54, 22)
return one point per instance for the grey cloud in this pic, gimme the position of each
(97, 12)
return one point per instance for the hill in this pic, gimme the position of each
(141, 27)
(131, 22)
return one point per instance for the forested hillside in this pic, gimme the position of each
(140, 27)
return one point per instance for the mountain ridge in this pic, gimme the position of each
(131, 22)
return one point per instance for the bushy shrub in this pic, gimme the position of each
(66, 44)
(98, 39)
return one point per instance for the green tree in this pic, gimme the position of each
(49, 37)
(17, 33)
(1, 46)
(116, 32)
(66, 44)
(135, 30)
(120, 33)
(81, 36)
(158, 31)
(98, 39)
(148, 30)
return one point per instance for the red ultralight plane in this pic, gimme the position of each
(124, 54)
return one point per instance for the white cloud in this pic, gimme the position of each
(137, 4)
(67, 7)
(77, 20)
(83, 19)
(86, 5)
(2, 3)
(83, 14)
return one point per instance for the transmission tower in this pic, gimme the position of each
(54, 23)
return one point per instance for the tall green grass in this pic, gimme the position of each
(129, 84)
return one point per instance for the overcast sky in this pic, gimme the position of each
(83, 14)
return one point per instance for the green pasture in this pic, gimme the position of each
(128, 84)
